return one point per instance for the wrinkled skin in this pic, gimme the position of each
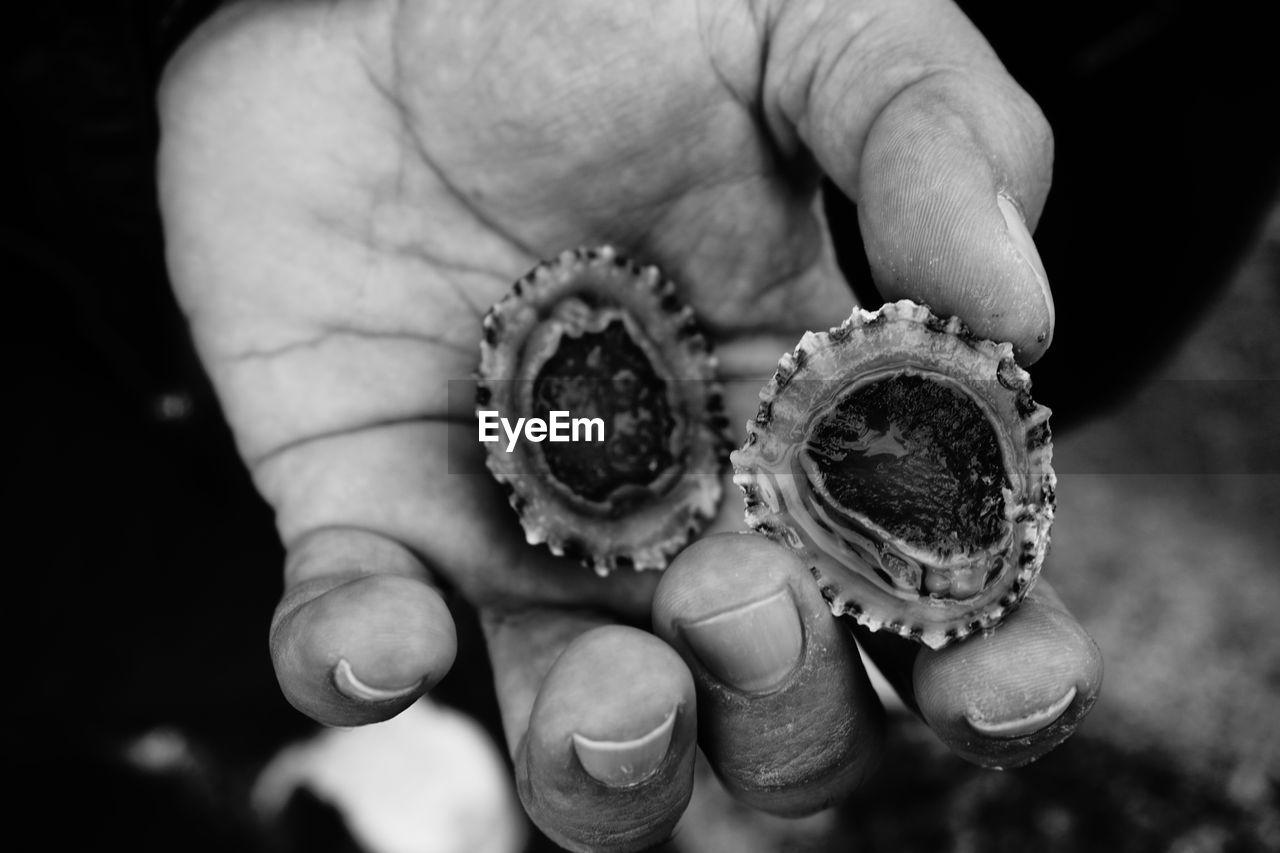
(347, 186)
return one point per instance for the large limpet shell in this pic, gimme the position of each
(595, 334)
(906, 461)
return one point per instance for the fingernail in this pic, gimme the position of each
(621, 763)
(1020, 237)
(344, 678)
(752, 648)
(1022, 726)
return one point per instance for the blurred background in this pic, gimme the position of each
(144, 711)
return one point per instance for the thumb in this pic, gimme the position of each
(908, 110)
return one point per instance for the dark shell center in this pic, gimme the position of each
(917, 458)
(606, 375)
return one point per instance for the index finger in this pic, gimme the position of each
(1005, 697)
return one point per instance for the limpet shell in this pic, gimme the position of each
(595, 334)
(906, 461)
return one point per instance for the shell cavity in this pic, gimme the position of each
(597, 335)
(906, 461)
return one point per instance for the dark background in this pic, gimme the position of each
(147, 567)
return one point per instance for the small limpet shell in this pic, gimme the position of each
(906, 461)
(596, 335)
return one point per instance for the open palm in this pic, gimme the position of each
(348, 187)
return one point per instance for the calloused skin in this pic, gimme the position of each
(347, 186)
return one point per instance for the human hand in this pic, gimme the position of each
(348, 186)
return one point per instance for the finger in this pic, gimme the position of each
(360, 632)
(911, 114)
(601, 723)
(786, 714)
(1006, 697)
